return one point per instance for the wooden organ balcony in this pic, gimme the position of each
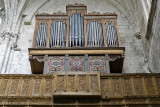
(85, 89)
(76, 41)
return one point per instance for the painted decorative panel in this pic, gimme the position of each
(76, 63)
(56, 63)
(97, 63)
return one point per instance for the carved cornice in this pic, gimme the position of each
(94, 13)
(76, 4)
(59, 13)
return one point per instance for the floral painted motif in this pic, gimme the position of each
(56, 63)
(77, 63)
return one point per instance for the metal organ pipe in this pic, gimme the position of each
(94, 34)
(41, 35)
(58, 34)
(111, 35)
(76, 35)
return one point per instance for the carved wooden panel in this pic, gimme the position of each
(76, 63)
(105, 87)
(94, 85)
(3, 87)
(138, 86)
(48, 85)
(71, 83)
(77, 84)
(150, 86)
(128, 87)
(25, 87)
(158, 84)
(60, 83)
(37, 87)
(82, 83)
(56, 63)
(116, 87)
(14, 87)
(97, 63)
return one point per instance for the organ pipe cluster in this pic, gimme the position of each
(41, 36)
(94, 34)
(76, 33)
(76, 37)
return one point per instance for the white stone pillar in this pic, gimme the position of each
(4, 49)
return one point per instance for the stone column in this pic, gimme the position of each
(4, 49)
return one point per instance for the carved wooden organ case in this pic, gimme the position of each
(76, 41)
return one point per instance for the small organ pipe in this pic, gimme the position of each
(111, 35)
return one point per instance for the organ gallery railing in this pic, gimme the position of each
(76, 28)
(120, 89)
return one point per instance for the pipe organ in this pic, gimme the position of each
(94, 34)
(76, 42)
(41, 35)
(58, 34)
(76, 37)
(111, 35)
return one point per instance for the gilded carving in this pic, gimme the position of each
(94, 83)
(71, 83)
(14, 87)
(105, 90)
(48, 87)
(37, 87)
(25, 87)
(150, 86)
(3, 87)
(128, 89)
(138, 86)
(158, 84)
(82, 83)
(116, 87)
(60, 84)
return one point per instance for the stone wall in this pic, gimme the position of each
(154, 52)
(18, 62)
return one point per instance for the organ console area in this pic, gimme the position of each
(76, 41)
